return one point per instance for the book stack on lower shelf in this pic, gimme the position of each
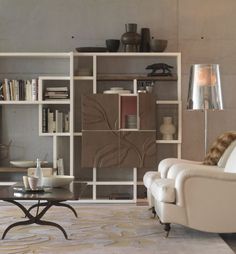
(55, 121)
(18, 90)
(55, 93)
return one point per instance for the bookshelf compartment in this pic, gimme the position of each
(55, 120)
(53, 90)
(15, 90)
(128, 112)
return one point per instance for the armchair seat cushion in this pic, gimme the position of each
(149, 177)
(164, 190)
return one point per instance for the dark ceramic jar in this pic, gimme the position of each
(131, 39)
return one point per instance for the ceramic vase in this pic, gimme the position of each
(131, 39)
(167, 129)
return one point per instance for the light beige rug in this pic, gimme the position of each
(104, 230)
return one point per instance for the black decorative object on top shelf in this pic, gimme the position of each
(145, 40)
(112, 45)
(131, 39)
(165, 68)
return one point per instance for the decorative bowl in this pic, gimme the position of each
(26, 164)
(158, 45)
(57, 181)
(112, 45)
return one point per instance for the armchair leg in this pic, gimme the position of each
(167, 229)
(154, 212)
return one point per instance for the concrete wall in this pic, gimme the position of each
(203, 31)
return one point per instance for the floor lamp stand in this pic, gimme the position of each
(205, 131)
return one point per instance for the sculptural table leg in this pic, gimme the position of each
(34, 219)
(55, 203)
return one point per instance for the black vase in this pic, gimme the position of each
(131, 39)
(145, 40)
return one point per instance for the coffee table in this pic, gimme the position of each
(51, 197)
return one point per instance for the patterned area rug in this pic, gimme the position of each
(104, 230)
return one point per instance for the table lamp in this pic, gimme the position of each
(204, 91)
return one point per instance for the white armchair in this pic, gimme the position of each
(195, 195)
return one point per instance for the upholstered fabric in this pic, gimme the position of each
(163, 190)
(165, 165)
(218, 148)
(231, 162)
(149, 177)
(177, 168)
(204, 200)
(223, 160)
(162, 172)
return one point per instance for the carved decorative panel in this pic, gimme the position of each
(100, 112)
(100, 149)
(137, 149)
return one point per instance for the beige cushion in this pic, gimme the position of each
(230, 166)
(163, 190)
(223, 160)
(218, 148)
(149, 177)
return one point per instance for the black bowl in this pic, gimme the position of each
(112, 45)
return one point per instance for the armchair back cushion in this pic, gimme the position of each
(230, 166)
(224, 158)
(218, 148)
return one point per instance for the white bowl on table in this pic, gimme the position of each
(57, 181)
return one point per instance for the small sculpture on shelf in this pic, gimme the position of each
(167, 128)
(166, 69)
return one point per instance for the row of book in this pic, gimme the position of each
(55, 121)
(55, 93)
(18, 90)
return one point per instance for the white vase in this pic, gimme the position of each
(167, 128)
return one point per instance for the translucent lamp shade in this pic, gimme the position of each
(204, 87)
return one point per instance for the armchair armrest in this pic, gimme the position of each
(205, 185)
(177, 168)
(165, 165)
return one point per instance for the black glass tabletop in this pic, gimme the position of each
(74, 191)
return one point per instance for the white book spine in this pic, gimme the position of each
(51, 122)
(17, 90)
(59, 122)
(7, 87)
(34, 90)
(29, 90)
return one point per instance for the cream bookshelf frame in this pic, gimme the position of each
(70, 103)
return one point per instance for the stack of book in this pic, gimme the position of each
(55, 121)
(55, 93)
(18, 90)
